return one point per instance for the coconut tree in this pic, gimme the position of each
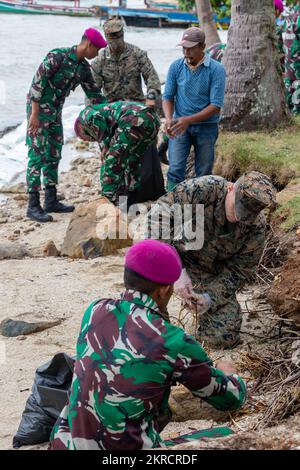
(254, 94)
(205, 15)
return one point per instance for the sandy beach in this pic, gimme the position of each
(41, 288)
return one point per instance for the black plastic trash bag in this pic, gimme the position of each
(152, 180)
(49, 394)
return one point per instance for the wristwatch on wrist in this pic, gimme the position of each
(151, 97)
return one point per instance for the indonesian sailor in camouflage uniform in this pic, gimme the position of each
(124, 129)
(119, 68)
(129, 355)
(291, 46)
(216, 51)
(61, 72)
(233, 241)
(288, 54)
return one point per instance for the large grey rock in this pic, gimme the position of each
(14, 250)
(12, 328)
(94, 231)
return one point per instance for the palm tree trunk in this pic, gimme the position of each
(254, 95)
(205, 15)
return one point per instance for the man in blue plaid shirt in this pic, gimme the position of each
(192, 100)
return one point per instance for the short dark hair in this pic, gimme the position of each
(135, 281)
(84, 38)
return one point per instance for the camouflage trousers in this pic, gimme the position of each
(44, 154)
(290, 67)
(212, 433)
(219, 328)
(121, 170)
(292, 87)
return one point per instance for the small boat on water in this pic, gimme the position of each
(152, 13)
(7, 6)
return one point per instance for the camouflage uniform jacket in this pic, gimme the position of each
(119, 77)
(103, 120)
(56, 77)
(230, 252)
(128, 356)
(291, 44)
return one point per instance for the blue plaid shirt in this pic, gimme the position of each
(194, 90)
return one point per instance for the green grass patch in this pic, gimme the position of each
(288, 214)
(275, 153)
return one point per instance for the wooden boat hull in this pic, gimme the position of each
(31, 9)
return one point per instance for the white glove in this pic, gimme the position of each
(203, 303)
(183, 287)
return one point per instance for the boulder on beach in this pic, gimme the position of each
(12, 328)
(14, 250)
(96, 229)
(49, 249)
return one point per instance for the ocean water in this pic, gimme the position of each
(25, 40)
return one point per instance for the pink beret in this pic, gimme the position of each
(278, 4)
(154, 260)
(95, 37)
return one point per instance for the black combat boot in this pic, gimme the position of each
(34, 211)
(51, 202)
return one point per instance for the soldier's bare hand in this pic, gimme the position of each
(34, 124)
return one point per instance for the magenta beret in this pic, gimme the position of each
(154, 260)
(278, 4)
(95, 37)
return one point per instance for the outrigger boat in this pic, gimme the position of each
(31, 8)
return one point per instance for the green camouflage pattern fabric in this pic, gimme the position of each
(291, 45)
(126, 129)
(44, 154)
(227, 259)
(120, 76)
(128, 356)
(56, 77)
(216, 51)
(213, 433)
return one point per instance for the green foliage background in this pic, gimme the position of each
(220, 7)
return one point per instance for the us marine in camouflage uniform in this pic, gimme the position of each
(119, 68)
(291, 46)
(129, 355)
(61, 71)
(234, 237)
(125, 130)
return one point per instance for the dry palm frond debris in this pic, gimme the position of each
(277, 248)
(275, 371)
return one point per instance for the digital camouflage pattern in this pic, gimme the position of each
(126, 129)
(227, 260)
(120, 76)
(291, 46)
(128, 356)
(113, 25)
(254, 192)
(56, 77)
